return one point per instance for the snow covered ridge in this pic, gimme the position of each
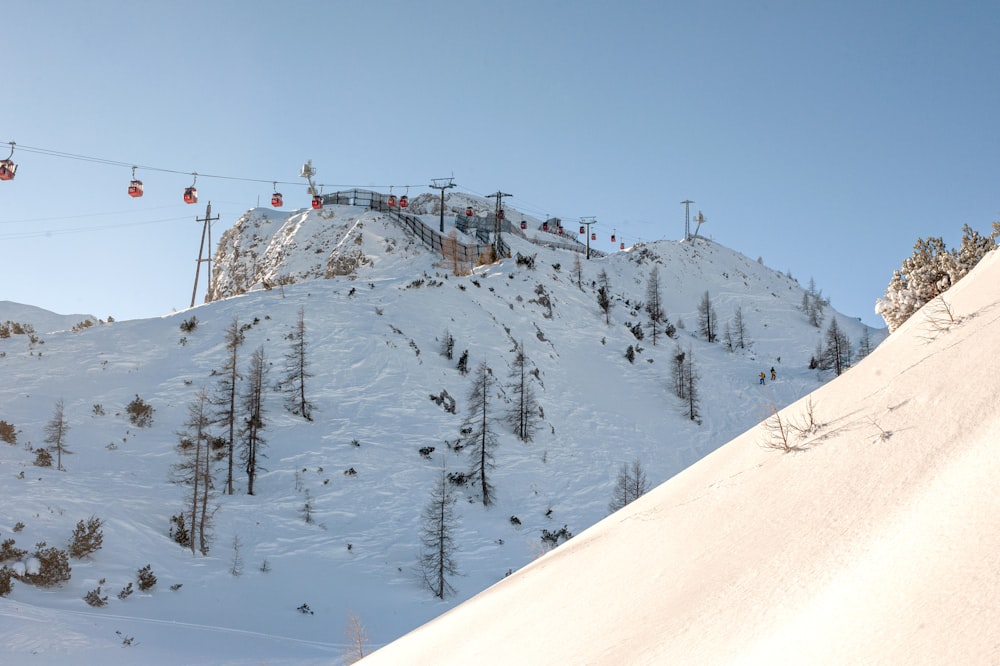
(266, 248)
(873, 543)
(381, 433)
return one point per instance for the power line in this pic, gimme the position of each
(78, 230)
(48, 152)
(128, 165)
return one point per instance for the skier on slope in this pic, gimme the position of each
(762, 379)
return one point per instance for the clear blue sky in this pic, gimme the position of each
(824, 137)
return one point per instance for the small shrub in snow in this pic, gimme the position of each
(43, 458)
(8, 433)
(448, 345)
(179, 531)
(49, 567)
(140, 413)
(95, 599)
(458, 478)
(8, 551)
(5, 584)
(87, 538)
(553, 539)
(147, 579)
(125, 591)
(527, 262)
(188, 325)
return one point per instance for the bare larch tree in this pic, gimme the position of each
(707, 318)
(477, 431)
(654, 303)
(437, 561)
(195, 470)
(297, 370)
(523, 412)
(630, 485)
(55, 433)
(225, 398)
(251, 440)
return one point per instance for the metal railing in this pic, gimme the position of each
(484, 227)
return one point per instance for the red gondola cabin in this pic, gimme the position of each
(593, 236)
(7, 169)
(190, 195)
(135, 189)
(392, 201)
(317, 202)
(524, 225)
(403, 201)
(276, 200)
(468, 211)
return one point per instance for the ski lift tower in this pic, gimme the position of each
(307, 172)
(687, 218)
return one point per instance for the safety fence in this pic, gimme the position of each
(483, 228)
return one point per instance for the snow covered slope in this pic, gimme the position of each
(42, 321)
(374, 335)
(873, 543)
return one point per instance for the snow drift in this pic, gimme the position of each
(872, 542)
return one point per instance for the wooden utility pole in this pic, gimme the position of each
(439, 184)
(205, 229)
(498, 216)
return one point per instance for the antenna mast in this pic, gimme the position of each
(307, 172)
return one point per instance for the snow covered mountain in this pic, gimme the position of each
(363, 468)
